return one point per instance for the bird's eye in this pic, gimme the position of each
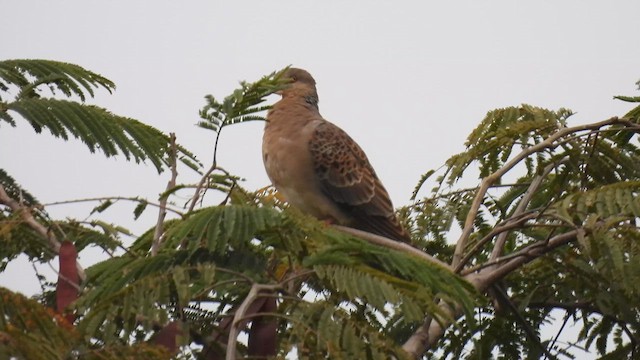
(294, 78)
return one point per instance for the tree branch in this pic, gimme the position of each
(510, 224)
(27, 217)
(392, 244)
(522, 205)
(489, 276)
(431, 331)
(115, 198)
(214, 165)
(196, 194)
(486, 183)
(162, 213)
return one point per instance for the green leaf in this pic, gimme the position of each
(104, 205)
(70, 79)
(242, 104)
(631, 99)
(139, 209)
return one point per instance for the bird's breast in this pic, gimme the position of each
(288, 163)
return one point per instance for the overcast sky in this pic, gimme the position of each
(407, 80)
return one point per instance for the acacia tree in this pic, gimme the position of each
(549, 229)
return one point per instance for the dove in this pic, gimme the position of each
(319, 169)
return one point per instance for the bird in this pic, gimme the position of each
(319, 169)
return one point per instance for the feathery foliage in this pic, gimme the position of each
(551, 228)
(542, 180)
(95, 126)
(244, 104)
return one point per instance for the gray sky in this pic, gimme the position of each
(408, 80)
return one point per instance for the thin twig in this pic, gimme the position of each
(40, 277)
(214, 166)
(522, 205)
(196, 195)
(162, 213)
(585, 169)
(112, 198)
(555, 339)
(66, 279)
(525, 255)
(510, 224)
(461, 191)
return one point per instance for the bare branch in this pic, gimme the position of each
(26, 216)
(162, 213)
(522, 205)
(112, 198)
(196, 195)
(501, 260)
(431, 331)
(515, 260)
(40, 229)
(392, 244)
(486, 183)
(514, 222)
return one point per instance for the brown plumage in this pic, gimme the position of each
(319, 169)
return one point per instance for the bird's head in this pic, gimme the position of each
(301, 84)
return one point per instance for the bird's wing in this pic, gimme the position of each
(347, 178)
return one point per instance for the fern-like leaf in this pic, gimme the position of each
(337, 334)
(28, 75)
(216, 228)
(243, 104)
(97, 128)
(621, 200)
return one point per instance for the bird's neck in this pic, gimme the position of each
(298, 103)
(292, 112)
(312, 100)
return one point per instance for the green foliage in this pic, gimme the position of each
(70, 79)
(95, 126)
(15, 191)
(15, 237)
(500, 133)
(244, 104)
(620, 201)
(214, 255)
(24, 322)
(221, 227)
(338, 296)
(327, 331)
(415, 282)
(546, 179)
